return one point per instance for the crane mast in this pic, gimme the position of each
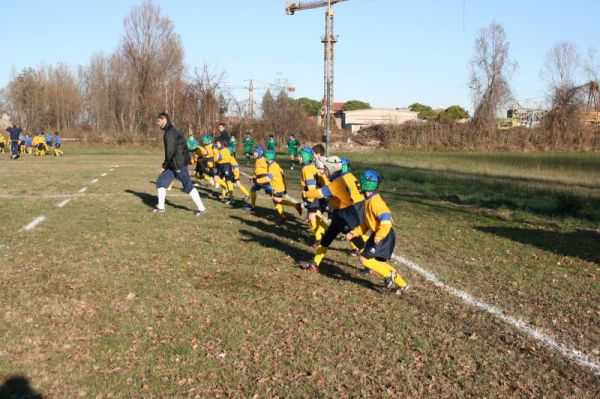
(329, 40)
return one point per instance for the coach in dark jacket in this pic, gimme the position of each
(15, 137)
(175, 166)
(224, 137)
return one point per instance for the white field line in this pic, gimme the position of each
(94, 181)
(536, 333)
(103, 174)
(111, 170)
(63, 203)
(34, 223)
(532, 331)
(83, 190)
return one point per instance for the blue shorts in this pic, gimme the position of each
(224, 171)
(343, 221)
(168, 175)
(266, 187)
(383, 251)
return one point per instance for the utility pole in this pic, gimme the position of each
(251, 100)
(329, 40)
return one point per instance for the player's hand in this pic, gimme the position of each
(349, 236)
(161, 171)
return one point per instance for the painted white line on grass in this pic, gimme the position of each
(111, 170)
(83, 190)
(103, 174)
(532, 331)
(34, 223)
(551, 342)
(94, 181)
(63, 203)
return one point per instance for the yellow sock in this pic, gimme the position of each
(385, 270)
(279, 208)
(170, 187)
(320, 254)
(230, 188)
(243, 189)
(253, 199)
(223, 192)
(207, 178)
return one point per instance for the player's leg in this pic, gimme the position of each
(188, 187)
(164, 180)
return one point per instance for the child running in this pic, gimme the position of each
(236, 179)
(309, 180)
(380, 245)
(271, 143)
(57, 145)
(279, 188)
(293, 146)
(248, 144)
(224, 176)
(347, 205)
(2, 143)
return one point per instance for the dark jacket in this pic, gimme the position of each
(224, 138)
(177, 155)
(15, 133)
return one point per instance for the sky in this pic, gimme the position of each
(390, 53)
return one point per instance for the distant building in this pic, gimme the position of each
(359, 119)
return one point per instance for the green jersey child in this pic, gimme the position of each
(293, 146)
(248, 144)
(271, 143)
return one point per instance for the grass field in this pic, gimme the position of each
(104, 299)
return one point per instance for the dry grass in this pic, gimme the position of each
(104, 299)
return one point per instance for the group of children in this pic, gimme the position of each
(38, 144)
(337, 203)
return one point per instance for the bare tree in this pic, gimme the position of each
(591, 64)
(491, 70)
(154, 54)
(561, 71)
(562, 65)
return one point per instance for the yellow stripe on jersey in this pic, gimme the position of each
(378, 218)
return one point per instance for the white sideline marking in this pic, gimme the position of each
(34, 223)
(546, 339)
(83, 190)
(103, 174)
(94, 181)
(63, 203)
(110, 170)
(532, 331)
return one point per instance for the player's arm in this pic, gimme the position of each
(384, 215)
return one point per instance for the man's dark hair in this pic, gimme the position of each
(222, 124)
(271, 135)
(319, 148)
(165, 116)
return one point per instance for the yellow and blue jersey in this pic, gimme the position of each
(235, 166)
(377, 218)
(277, 179)
(261, 171)
(308, 177)
(222, 156)
(342, 191)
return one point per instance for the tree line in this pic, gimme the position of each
(120, 93)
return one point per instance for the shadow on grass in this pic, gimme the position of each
(18, 387)
(582, 244)
(492, 192)
(150, 200)
(328, 268)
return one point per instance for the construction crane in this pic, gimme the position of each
(328, 40)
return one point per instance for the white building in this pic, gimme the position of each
(356, 120)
